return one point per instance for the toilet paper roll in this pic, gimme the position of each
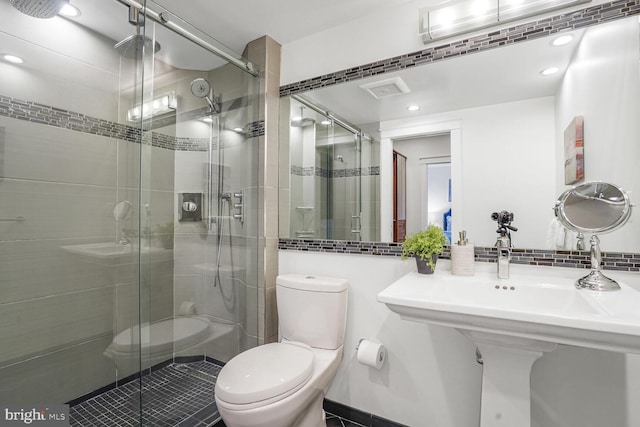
(186, 308)
(371, 354)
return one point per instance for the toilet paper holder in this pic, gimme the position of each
(375, 359)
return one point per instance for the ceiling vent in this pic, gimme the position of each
(387, 87)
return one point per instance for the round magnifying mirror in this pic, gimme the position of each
(122, 210)
(594, 207)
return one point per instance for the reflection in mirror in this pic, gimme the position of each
(122, 210)
(333, 179)
(594, 207)
(511, 122)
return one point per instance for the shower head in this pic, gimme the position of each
(131, 47)
(201, 88)
(300, 122)
(44, 9)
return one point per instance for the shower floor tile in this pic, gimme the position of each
(177, 395)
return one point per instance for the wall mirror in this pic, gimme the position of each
(507, 123)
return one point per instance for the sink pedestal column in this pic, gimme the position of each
(506, 373)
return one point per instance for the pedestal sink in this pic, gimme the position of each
(515, 321)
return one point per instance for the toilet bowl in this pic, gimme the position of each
(283, 384)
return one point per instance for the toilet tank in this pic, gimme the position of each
(312, 309)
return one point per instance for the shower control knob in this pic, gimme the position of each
(189, 207)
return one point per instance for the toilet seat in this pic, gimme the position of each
(266, 372)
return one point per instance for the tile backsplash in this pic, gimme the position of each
(548, 258)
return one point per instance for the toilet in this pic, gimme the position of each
(283, 384)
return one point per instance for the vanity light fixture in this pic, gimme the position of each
(462, 16)
(13, 59)
(413, 108)
(549, 71)
(562, 40)
(69, 10)
(160, 105)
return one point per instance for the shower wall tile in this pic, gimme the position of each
(227, 345)
(157, 164)
(126, 298)
(189, 252)
(57, 374)
(55, 210)
(47, 153)
(41, 325)
(226, 298)
(190, 287)
(38, 268)
(190, 171)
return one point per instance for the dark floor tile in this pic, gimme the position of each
(347, 413)
(381, 422)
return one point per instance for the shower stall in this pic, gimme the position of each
(334, 174)
(128, 212)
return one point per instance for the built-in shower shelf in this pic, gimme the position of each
(305, 209)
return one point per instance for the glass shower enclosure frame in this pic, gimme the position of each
(128, 212)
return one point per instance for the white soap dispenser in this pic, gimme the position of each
(462, 257)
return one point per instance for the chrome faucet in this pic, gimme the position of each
(503, 243)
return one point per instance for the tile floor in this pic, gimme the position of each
(177, 395)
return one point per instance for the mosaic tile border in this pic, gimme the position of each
(34, 112)
(334, 173)
(520, 33)
(548, 258)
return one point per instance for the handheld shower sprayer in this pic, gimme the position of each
(201, 88)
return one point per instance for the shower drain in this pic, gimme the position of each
(196, 373)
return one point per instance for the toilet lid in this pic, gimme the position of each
(264, 372)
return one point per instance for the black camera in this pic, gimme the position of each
(503, 217)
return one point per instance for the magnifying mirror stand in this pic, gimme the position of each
(595, 280)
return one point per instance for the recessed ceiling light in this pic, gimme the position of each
(207, 119)
(325, 122)
(562, 40)
(13, 59)
(238, 129)
(549, 71)
(413, 108)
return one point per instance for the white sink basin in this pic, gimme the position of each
(536, 302)
(108, 250)
(513, 322)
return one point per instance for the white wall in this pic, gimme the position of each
(605, 92)
(431, 377)
(503, 148)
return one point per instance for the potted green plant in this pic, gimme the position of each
(425, 246)
(164, 233)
